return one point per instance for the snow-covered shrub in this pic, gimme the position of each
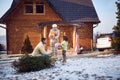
(33, 63)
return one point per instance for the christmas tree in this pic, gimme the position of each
(27, 47)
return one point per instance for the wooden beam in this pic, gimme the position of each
(74, 37)
(45, 32)
(41, 24)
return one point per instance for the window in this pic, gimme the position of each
(34, 7)
(28, 7)
(39, 8)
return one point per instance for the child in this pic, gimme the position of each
(64, 47)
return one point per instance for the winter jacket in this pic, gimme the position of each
(64, 45)
(55, 34)
(39, 50)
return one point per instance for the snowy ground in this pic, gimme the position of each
(102, 67)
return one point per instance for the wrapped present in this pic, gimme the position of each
(58, 45)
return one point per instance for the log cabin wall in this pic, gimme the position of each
(86, 36)
(65, 30)
(20, 24)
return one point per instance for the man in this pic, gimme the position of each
(54, 35)
(40, 49)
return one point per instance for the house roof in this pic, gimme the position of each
(68, 10)
(75, 10)
(13, 6)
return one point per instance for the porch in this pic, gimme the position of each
(66, 29)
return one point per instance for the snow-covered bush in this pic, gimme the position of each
(33, 63)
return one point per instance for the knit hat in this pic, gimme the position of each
(54, 25)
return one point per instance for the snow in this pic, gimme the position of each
(105, 67)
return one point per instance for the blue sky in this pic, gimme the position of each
(105, 9)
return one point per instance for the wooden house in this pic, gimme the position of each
(35, 17)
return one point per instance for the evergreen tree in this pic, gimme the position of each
(116, 39)
(2, 47)
(27, 47)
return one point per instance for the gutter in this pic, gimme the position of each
(3, 26)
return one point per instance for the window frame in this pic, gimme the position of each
(28, 4)
(43, 9)
(34, 6)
